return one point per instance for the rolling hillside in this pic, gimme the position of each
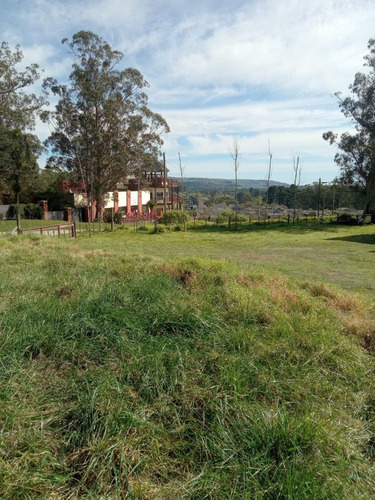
(209, 184)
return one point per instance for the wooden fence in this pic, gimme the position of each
(67, 229)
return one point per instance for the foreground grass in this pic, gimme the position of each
(126, 376)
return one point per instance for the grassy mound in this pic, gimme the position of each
(192, 378)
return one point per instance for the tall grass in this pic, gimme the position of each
(131, 377)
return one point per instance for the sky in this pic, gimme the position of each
(262, 72)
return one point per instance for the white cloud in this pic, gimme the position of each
(261, 69)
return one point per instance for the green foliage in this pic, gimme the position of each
(104, 129)
(117, 216)
(18, 159)
(13, 210)
(356, 157)
(224, 217)
(244, 196)
(27, 211)
(174, 217)
(151, 204)
(33, 211)
(18, 107)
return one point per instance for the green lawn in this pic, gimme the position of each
(201, 364)
(341, 255)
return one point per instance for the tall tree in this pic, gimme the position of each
(18, 161)
(18, 107)
(356, 158)
(103, 127)
(18, 111)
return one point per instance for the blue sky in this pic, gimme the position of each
(263, 71)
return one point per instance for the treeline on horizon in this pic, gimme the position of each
(309, 197)
(45, 186)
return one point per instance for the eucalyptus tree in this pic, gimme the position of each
(356, 158)
(18, 106)
(104, 129)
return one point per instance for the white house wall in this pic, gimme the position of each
(146, 197)
(80, 199)
(122, 198)
(134, 198)
(109, 200)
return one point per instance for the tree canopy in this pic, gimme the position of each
(18, 160)
(103, 127)
(18, 108)
(19, 149)
(356, 158)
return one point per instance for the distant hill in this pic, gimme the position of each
(209, 184)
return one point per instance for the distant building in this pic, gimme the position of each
(131, 197)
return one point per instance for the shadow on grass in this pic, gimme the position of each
(368, 239)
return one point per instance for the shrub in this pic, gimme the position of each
(117, 216)
(346, 218)
(239, 218)
(33, 211)
(224, 217)
(174, 217)
(13, 210)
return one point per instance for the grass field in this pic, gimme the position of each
(341, 255)
(201, 364)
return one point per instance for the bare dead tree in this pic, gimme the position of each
(182, 189)
(268, 180)
(297, 168)
(234, 152)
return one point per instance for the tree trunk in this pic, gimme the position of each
(18, 212)
(370, 195)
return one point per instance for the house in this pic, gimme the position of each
(133, 196)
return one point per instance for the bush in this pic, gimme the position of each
(157, 229)
(239, 218)
(33, 211)
(13, 210)
(174, 217)
(346, 218)
(224, 217)
(117, 216)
